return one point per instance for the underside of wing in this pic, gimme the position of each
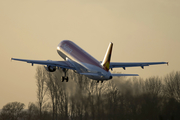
(141, 64)
(61, 64)
(91, 74)
(124, 74)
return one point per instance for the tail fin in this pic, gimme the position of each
(106, 61)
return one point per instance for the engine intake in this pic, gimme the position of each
(50, 68)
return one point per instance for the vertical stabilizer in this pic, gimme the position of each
(106, 61)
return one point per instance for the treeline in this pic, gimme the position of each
(135, 98)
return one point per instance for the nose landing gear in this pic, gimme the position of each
(64, 77)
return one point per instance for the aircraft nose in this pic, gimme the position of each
(110, 77)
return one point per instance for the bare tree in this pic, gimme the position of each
(32, 112)
(50, 85)
(172, 85)
(113, 98)
(153, 86)
(41, 87)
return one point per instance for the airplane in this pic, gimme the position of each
(83, 63)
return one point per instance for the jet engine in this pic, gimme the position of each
(50, 68)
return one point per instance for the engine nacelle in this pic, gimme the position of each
(50, 68)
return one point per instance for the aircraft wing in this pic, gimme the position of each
(61, 64)
(141, 64)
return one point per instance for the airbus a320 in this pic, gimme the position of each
(83, 63)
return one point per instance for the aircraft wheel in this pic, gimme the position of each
(67, 79)
(97, 81)
(62, 79)
(102, 81)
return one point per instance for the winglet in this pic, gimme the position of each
(106, 61)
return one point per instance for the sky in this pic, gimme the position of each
(141, 30)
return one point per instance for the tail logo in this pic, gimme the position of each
(107, 58)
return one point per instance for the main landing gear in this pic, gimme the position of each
(98, 81)
(64, 77)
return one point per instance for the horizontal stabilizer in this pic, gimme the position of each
(124, 74)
